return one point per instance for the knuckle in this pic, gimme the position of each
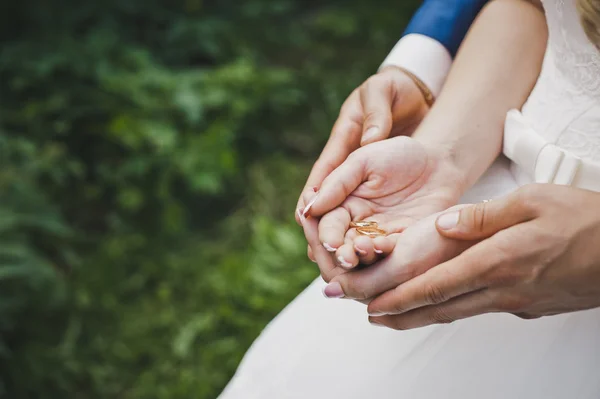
(354, 289)
(532, 196)
(529, 190)
(399, 324)
(440, 316)
(433, 294)
(371, 117)
(397, 308)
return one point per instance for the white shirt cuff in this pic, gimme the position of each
(428, 59)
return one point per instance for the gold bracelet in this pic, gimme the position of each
(427, 94)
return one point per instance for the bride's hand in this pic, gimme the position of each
(394, 182)
(541, 258)
(388, 104)
(413, 252)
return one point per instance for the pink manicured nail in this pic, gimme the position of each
(343, 263)
(333, 290)
(300, 215)
(329, 248)
(376, 314)
(448, 221)
(310, 204)
(378, 251)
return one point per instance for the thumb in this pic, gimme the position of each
(337, 186)
(376, 98)
(485, 219)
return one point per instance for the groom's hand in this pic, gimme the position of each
(539, 256)
(388, 104)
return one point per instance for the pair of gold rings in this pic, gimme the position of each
(368, 228)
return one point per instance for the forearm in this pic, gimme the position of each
(494, 71)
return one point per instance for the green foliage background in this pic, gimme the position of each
(151, 153)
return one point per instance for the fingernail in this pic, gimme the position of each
(375, 324)
(343, 263)
(378, 251)
(360, 252)
(376, 314)
(310, 204)
(370, 134)
(333, 290)
(300, 216)
(448, 220)
(329, 248)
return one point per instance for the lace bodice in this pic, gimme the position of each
(564, 106)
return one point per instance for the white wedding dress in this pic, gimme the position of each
(325, 349)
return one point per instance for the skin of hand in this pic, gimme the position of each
(407, 255)
(395, 183)
(539, 257)
(388, 104)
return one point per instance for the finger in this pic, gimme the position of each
(463, 307)
(383, 246)
(376, 96)
(346, 256)
(337, 186)
(373, 280)
(333, 227)
(460, 275)
(344, 139)
(326, 264)
(485, 219)
(299, 214)
(310, 254)
(363, 247)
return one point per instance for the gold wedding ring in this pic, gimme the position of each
(371, 232)
(362, 224)
(368, 228)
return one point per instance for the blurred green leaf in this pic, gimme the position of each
(151, 154)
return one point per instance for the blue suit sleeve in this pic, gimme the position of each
(446, 21)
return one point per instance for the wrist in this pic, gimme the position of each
(453, 178)
(428, 96)
(461, 143)
(424, 57)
